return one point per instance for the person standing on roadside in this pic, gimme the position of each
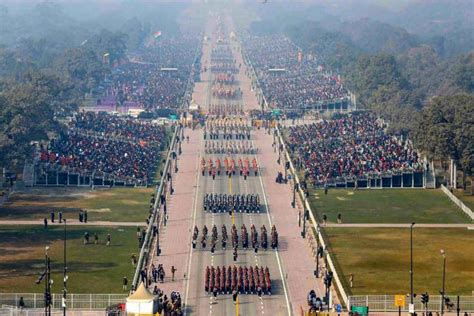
(173, 270)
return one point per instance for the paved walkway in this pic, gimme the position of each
(70, 222)
(175, 236)
(385, 225)
(297, 258)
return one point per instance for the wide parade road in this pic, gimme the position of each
(290, 266)
(196, 299)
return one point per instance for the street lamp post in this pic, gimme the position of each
(279, 152)
(170, 178)
(46, 276)
(444, 281)
(411, 265)
(65, 277)
(305, 215)
(49, 281)
(295, 188)
(175, 163)
(317, 252)
(158, 250)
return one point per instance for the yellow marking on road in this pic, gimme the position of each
(237, 307)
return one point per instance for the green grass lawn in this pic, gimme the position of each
(117, 204)
(380, 259)
(466, 198)
(386, 206)
(92, 268)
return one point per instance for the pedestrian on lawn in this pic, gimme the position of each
(86, 238)
(124, 283)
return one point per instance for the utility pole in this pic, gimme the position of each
(65, 277)
(411, 267)
(46, 276)
(443, 253)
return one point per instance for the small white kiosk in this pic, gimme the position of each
(142, 302)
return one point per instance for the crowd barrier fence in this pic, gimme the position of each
(73, 301)
(386, 303)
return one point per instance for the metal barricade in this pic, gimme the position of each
(386, 303)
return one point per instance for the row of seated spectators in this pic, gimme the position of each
(125, 148)
(350, 146)
(301, 81)
(145, 86)
(142, 83)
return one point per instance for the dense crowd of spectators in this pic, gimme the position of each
(103, 144)
(155, 77)
(295, 80)
(353, 145)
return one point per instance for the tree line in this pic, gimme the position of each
(50, 59)
(406, 80)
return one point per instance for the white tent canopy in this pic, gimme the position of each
(142, 302)
(194, 106)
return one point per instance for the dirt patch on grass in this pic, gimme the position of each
(105, 204)
(98, 210)
(131, 202)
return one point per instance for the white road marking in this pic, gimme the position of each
(280, 268)
(188, 274)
